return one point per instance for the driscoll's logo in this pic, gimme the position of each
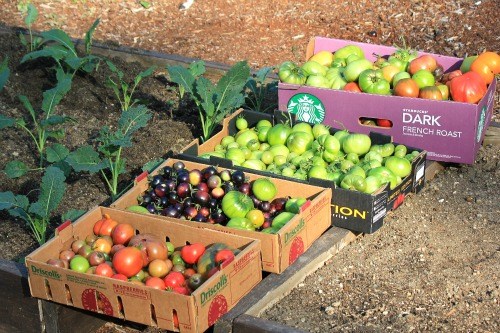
(344, 212)
(207, 295)
(480, 124)
(294, 231)
(307, 108)
(42, 272)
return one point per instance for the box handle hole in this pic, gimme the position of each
(48, 291)
(154, 321)
(375, 122)
(69, 298)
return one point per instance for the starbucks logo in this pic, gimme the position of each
(307, 108)
(480, 124)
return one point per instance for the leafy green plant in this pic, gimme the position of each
(59, 46)
(4, 72)
(35, 41)
(123, 90)
(107, 157)
(214, 102)
(37, 214)
(197, 69)
(41, 125)
(261, 94)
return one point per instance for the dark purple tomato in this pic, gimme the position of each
(218, 217)
(173, 197)
(272, 209)
(190, 212)
(145, 200)
(213, 203)
(167, 172)
(265, 206)
(208, 172)
(202, 187)
(170, 211)
(183, 177)
(245, 188)
(183, 190)
(171, 185)
(199, 218)
(202, 198)
(238, 177)
(256, 202)
(279, 203)
(179, 165)
(164, 201)
(228, 186)
(156, 180)
(188, 202)
(153, 195)
(179, 207)
(151, 208)
(161, 190)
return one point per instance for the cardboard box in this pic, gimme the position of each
(449, 131)
(278, 250)
(139, 303)
(351, 210)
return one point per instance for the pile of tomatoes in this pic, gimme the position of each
(402, 73)
(114, 250)
(227, 198)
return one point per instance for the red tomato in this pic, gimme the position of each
(426, 62)
(469, 88)
(122, 233)
(128, 261)
(104, 226)
(182, 290)
(119, 276)
(224, 255)
(406, 88)
(432, 92)
(155, 282)
(451, 75)
(352, 86)
(174, 279)
(384, 123)
(104, 269)
(191, 253)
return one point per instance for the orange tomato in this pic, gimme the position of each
(352, 86)
(406, 88)
(431, 92)
(487, 65)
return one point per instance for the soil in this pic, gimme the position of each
(432, 267)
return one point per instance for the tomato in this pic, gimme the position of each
(289, 72)
(372, 184)
(155, 282)
(384, 123)
(406, 88)
(128, 261)
(385, 175)
(244, 136)
(353, 182)
(399, 76)
(241, 123)
(487, 65)
(389, 71)
(372, 81)
(104, 226)
(95, 258)
(445, 91)
(191, 253)
(432, 92)
(299, 142)
(469, 88)
(423, 78)
(317, 171)
(404, 55)
(119, 276)
(357, 143)
(278, 134)
(348, 50)
(236, 204)
(320, 129)
(79, 264)
(318, 81)
(314, 68)
(424, 62)
(122, 233)
(399, 166)
(352, 86)
(256, 217)
(224, 255)
(104, 269)
(151, 246)
(354, 69)
(264, 189)
(451, 75)
(102, 245)
(335, 78)
(195, 281)
(174, 279)
(159, 268)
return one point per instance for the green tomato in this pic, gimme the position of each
(400, 64)
(318, 81)
(253, 145)
(279, 150)
(264, 189)
(353, 157)
(465, 66)
(357, 143)
(262, 133)
(227, 140)
(299, 142)
(263, 123)
(400, 150)
(373, 183)
(236, 154)
(357, 170)
(236, 204)
(320, 129)
(244, 136)
(256, 155)
(313, 68)
(353, 182)
(289, 72)
(372, 81)
(385, 175)
(241, 123)
(267, 157)
(279, 160)
(318, 171)
(264, 146)
(335, 78)
(287, 172)
(424, 78)
(400, 166)
(348, 50)
(341, 135)
(387, 149)
(302, 127)
(373, 156)
(278, 134)
(79, 264)
(355, 68)
(254, 164)
(399, 76)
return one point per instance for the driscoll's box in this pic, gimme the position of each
(351, 210)
(138, 303)
(279, 250)
(449, 131)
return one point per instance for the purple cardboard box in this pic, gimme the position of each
(449, 131)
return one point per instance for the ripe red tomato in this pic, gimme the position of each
(191, 253)
(406, 88)
(384, 123)
(104, 269)
(426, 62)
(122, 233)
(174, 279)
(223, 256)
(119, 276)
(104, 226)
(152, 247)
(352, 86)
(182, 290)
(128, 261)
(155, 282)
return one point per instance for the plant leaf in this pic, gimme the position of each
(60, 37)
(72, 215)
(52, 51)
(27, 104)
(4, 72)
(230, 87)
(31, 15)
(197, 68)
(85, 158)
(182, 76)
(54, 120)
(261, 75)
(51, 192)
(133, 119)
(88, 36)
(206, 93)
(144, 74)
(57, 152)
(56, 134)
(7, 200)
(53, 96)
(63, 166)
(6, 121)
(15, 169)
(74, 62)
